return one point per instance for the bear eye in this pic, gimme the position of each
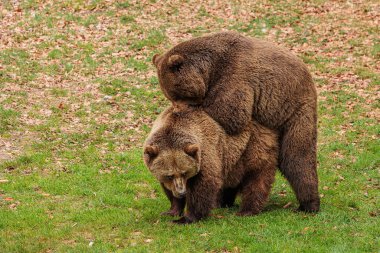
(184, 174)
(176, 67)
(171, 177)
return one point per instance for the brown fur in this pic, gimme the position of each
(234, 79)
(188, 150)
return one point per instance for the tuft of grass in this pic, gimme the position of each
(366, 73)
(91, 20)
(8, 119)
(127, 19)
(154, 38)
(136, 64)
(59, 92)
(123, 5)
(113, 87)
(202, 12)
(55, 54)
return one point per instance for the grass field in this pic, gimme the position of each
(78, 95)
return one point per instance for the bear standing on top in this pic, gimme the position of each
(236, 79)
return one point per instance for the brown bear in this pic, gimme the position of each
(236, 79)
(201, 167)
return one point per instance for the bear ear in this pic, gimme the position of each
(193, 151)
(175, 61)
(150, 152)
(156, 59)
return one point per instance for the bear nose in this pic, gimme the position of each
(181, 195)
(182, 192)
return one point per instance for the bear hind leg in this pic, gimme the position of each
(298, 160)
(255, 191)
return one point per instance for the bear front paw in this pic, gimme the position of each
(183, 220)
(172, 212)
(311, 206)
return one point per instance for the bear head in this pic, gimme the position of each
(182, 78)
(173, 167)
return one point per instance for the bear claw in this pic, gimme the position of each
(183, 221)
(171, 213)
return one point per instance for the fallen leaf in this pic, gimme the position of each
(13, 206)
(287, 205)
(373, 213)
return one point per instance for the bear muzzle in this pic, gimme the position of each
(179, 187)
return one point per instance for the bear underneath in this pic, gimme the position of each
(201, 167)
(236, 80)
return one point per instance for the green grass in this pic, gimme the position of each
(155, 37)
(8, 119)
(78, 94)
(120, 208)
